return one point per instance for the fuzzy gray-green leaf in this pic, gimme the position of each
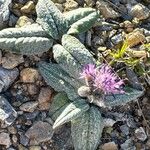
(67, 61)
(33, 30)
(86, 130)
(59, 101)
(77, 50)
(26, 45)
(121, 99)
(77, 14)
(84, 24)
(72, 111)
(56, 82)
(50, 18)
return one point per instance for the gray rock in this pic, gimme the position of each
(24, 140)
(7, 112)
(12, 20)
(7, 77)
(39, 132)
(4, 13)
(140, 134)
(128, 145)
(5, 139)
(117, 39)
(124, 129)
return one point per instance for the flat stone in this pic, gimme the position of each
(35, 148)
(29, 75)
(140, 134)
(23, 21)
(28, 7)
(39, 132)
(45, 98)
(140, 11)
(109, 146)
(24, 140)
(70, 5)
(128, 145)
(29, 106)
(7, 77)
(10, 61)
(5, 139)
(7, 112)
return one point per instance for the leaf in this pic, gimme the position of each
(56, 82)
(26, 45)
(67, 61)
(84, 24)
(51, 19)
(121, 99)
(59, 101)
(72, 111)
(86, 130)
(77, 14)
(77, 50)
(33, 30)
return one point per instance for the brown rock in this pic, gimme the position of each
(29, 106)
(109, 146)
(5, 139)
(134, 38)
(39, 132)
(32, 89)
(70, 5)
(34, 148)
(29, 75)
(28, 7)
(44, 98)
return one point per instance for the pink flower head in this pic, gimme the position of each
(88, 71)
(107, 81)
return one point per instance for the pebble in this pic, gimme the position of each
(12, 20)
(140, 11)
(70, 5)
(7, 112)
(39, 132)
(109, 146)
(60, 7)
(4, 13)
(28, 7)
(12, 130)
(117, 39)
(140, 134)
(29, 75)
(45, 98)
(124, 129)
(5, 139)
(29, 106)
(106, 10)
(35, 148)
(7, 77)
(24, 140)
(23, 20)
(32, 89)
(10, 61)
(134, 38)
(128, 145)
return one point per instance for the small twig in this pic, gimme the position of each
(143, 115)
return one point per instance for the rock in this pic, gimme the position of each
(106, 10)
(29, 75)
(10, 61)
(45, 98)
(129, 26)
(29, 106)
(70, 5)
(97, 41)
(117, 39)
(39, 132)
(32, 89)
(7, 112)
(35, 148)
(12, 20)
(135, 38)
(140, 11)
(60, 7)
(128, 145)
(109, 146)
(140, 134)
(24, 140)
(89, 3)
(5, 139)
(28, 8)
(12, 130)
(4, 13)
(7, 77)
(23, 20)
(124, 129)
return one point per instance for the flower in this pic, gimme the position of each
(88, 71)
(107, 81)
(102, 79)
